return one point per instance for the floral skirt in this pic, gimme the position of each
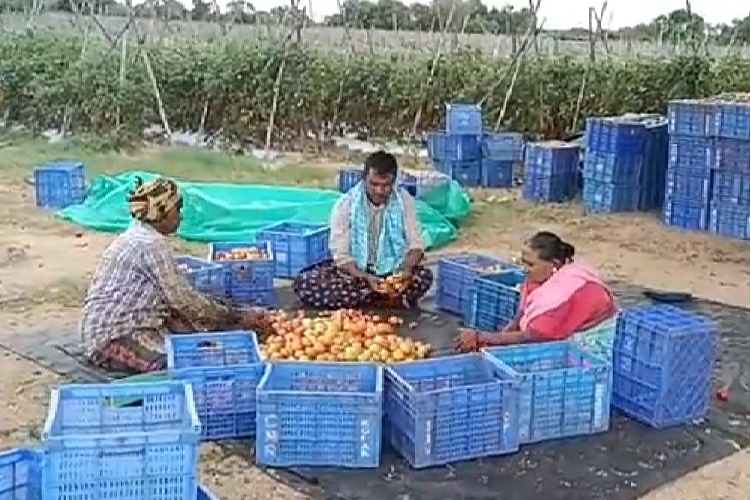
(139, 353)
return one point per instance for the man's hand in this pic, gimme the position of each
(375, 283)
(413, 259)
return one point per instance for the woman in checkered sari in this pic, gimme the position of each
(138, 296)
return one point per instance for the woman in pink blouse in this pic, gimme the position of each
(560, 299)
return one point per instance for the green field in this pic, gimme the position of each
(227, 86)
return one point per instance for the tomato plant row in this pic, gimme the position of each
(229, 87)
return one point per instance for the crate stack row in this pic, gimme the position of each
(436, 411)
(707, 183)
(663, 357)
(624, 163)
(244, 272)
(471, 157)
(551, 171)
(117, 440)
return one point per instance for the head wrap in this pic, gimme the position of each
(152, 201)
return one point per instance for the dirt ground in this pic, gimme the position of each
(45, 266)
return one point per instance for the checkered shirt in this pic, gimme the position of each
(137, 289)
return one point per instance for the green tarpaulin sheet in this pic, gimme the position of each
(234, 212)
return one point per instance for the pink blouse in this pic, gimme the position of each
(587, 307)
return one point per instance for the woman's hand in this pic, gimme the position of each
(257, 319)
(468, 340)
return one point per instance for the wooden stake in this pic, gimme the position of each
(274, 102)
(123, 62)
(436, 58)
(157, 93)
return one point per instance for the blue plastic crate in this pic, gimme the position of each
(614, 135)
(693, 186)
(691, 117)
(729, 220)
(121, 441)
(503, 146)
(463, 119)
(348, 178)
(205, 494)
(732, 155)
(225, 399)
(450, 409)
(652, 180)
(59, 185)
(731, 188)
(686, 153)
(452, 147)
(456, 278)
(611, 168)
(245, 278)
(496, 300)
(732, 120)
(607, 198)
(497, 173)
(551, 159)
(320, 414)
(563, 391)
(224, 369)
(204, 276)
(296, 246)
(466, 173)
(20, 475)
(556, 189)
(687, 214)
(213, 349)
(663, 360)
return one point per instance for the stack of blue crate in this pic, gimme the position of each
(613, 164)
(500, 152)
(551, 171)
(457, 152)
(652, 179)
(655, 163)
(688, 178)
(729, 205)
(707, 181)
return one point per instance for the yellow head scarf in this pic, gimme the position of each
(152, 201)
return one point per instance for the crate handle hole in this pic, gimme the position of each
(123, 453)
(111, 402)
(209, 344)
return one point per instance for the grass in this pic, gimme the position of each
(18, 156)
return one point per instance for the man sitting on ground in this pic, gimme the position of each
(138, 296)
(374, 234)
